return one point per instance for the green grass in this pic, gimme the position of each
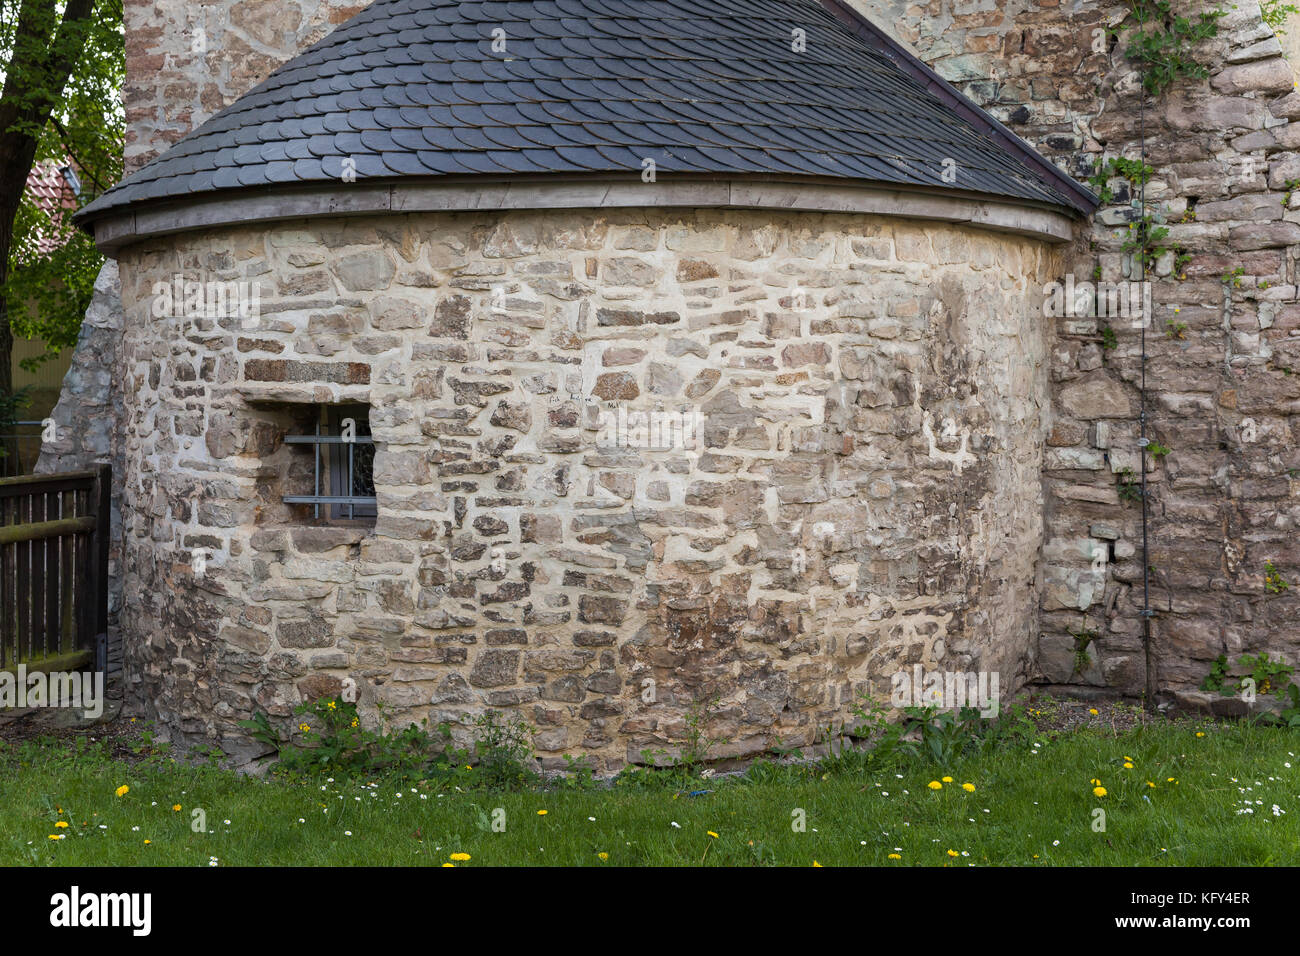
(1032, 806)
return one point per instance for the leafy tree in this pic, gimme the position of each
(63, 65)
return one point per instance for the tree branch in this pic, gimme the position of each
(63, 138)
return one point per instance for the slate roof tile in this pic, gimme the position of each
(414, 88)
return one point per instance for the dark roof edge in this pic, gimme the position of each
(1082, 199)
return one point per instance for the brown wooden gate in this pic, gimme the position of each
(54, 570)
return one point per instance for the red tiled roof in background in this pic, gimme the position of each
(51, 191)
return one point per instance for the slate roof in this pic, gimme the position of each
(413, 88)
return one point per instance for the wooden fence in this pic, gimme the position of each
(54, 570)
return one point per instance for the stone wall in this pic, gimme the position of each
(187, 61)
(86, 431)
(87, 406)
(184, 63)
(867, 495)
(1223, 392)
(1220, 505)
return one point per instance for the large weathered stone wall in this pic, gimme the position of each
(871, 392)
(86, 432)
(1223, 393)
(1220, 505)
(186, 61)
(87, 407)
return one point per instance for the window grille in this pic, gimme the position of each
(343, 465)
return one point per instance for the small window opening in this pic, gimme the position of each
(343, 454)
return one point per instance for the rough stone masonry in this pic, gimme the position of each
(1222, 377)
(1222, 391)
(864, 491)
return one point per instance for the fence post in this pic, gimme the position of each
(103, 505)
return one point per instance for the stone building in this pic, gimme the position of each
(691, 357)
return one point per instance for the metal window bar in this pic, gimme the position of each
(350, 501)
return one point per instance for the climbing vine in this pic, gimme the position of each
(1135, 171)
(1275, 13)
(1147, 239)
(1274, 583)
(1082, 638)
(1161, 42)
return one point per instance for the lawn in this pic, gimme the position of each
(1187, 793)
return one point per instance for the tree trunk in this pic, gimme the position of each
(44, 53)
(45, 50)
(8, 445)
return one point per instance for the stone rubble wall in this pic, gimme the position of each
(187, 61)
(1220, 505)
(1223, 394)
(87, 407)
(872, 392)
(86, 435)
(184, 62)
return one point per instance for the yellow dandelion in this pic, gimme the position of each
(1151, 785)
(449, 864)
(815, 863)
(122, 790)
(61, 825)
(1095, 782)
(895, 856)
(968, 787)
(542, 813)
(176, 807)
(935, 785)
(1093, 711)
(460, 857)
(147, 842)
(1099, 791)
(56, 836)
(712, 834)
(603, 856)
(947, 779)
(1128, 766)
(953, 853)
(1200, 733)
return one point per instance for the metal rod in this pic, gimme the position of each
(1150, 677)
(316, 462)
(360, 500)
(326, 440)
